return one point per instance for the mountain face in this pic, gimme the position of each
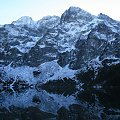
(75, 38)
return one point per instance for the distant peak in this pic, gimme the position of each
(25, 20)
(50, 17)
(48, 21)
(25, 17)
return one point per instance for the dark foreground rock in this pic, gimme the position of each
(75, 112)
(105, 85)
(30, 113)
(36, 99)
(36, 73)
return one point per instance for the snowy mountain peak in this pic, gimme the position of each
(76, 14)
(25, 20)
(48, 21)
(50, 17)
(72, 8)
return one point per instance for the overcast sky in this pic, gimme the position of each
(11, 10)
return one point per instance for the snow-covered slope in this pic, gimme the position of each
(25, 20)
(76, 14)
(49, 71)
(48, 22)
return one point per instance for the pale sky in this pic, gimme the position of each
(11, 10)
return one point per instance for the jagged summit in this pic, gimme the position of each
(50, 17)
(76, 13)
(105, 17)
(48, 21)
(25, 20)
(73, 14)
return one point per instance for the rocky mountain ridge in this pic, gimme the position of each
(75, 39)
